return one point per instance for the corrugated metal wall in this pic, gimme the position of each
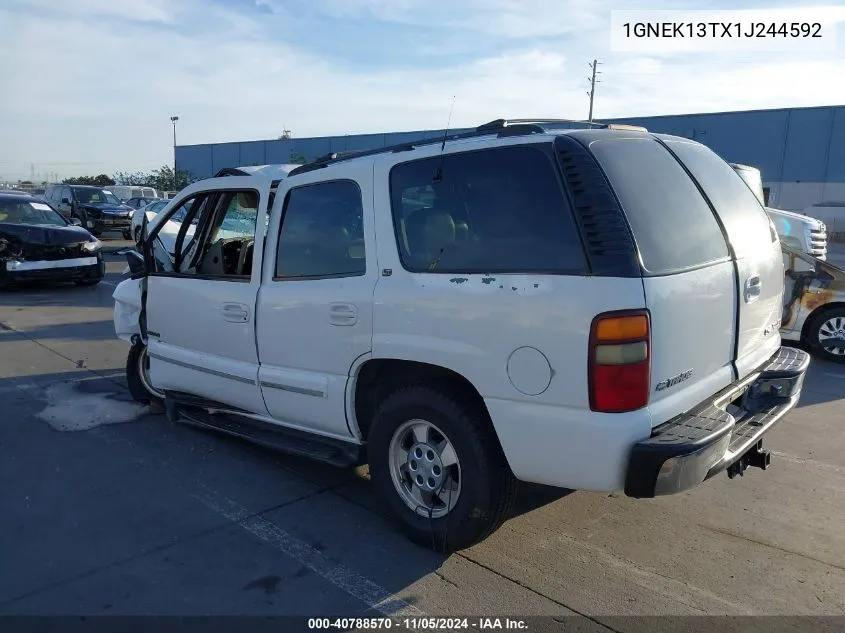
(800, 151)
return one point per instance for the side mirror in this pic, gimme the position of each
(76, 221)
(135, 261)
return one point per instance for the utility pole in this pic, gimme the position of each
(593, 83)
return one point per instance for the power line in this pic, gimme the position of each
(593, 83)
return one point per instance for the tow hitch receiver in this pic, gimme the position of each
(756, 457)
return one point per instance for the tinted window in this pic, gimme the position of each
(66, 194)
(745, 220)
(673, 227)
(499, 210)
(322, 232)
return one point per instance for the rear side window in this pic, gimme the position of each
(745, 220)
(672, 225)
(322, 232)
(491, 211)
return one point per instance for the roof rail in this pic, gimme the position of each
(230, 171)
(539, 124)
(500, 127)
(543, 125)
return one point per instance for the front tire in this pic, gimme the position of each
(137, 376)
(127, 234)
(437, 463)
(826, 328)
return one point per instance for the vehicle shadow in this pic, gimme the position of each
(84, 331)
(46, 294)
(824, 383)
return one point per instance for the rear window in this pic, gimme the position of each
(673, 227)
(498, 210)
(745, 220)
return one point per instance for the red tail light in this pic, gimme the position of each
(620, 361)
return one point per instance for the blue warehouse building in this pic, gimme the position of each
(800, 151)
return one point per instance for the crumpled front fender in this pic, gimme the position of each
(127, 309)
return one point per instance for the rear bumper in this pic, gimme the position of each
(724, 433)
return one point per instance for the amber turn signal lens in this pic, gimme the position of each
(622, 328)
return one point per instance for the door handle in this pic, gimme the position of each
(752, 288)
(343, 314)
(235, 312)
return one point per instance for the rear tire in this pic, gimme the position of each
(137, 377)
(484, 486)
(824, 326)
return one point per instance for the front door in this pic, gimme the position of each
(315, 308)
(200, 306)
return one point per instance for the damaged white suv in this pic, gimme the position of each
(595, 309)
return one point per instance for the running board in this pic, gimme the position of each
(195, 411)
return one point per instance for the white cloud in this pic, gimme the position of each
(86, 90)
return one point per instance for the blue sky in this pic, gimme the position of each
(90, 85)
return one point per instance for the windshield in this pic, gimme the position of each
(88, 196)
(155, 207)
(26, 212)
(754, 181)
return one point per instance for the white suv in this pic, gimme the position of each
(595, 309)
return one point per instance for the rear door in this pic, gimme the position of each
(755, 245)
(688, 275)
(315, 306)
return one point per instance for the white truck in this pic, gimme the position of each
(801, 232)
(592, 309)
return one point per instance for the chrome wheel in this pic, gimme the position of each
(144, 374)
(425, 469)
(832, 336)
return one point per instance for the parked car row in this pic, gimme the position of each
(596, 309)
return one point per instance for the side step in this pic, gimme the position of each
(195, 412)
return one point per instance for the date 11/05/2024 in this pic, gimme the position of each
(417, 624)
(722, 29)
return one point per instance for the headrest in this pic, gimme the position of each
(248, 200)
(439, 229)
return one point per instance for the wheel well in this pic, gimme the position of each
(815, 314)
(380, 377)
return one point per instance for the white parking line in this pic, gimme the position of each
(832, 375)
(370, 593)
(357, 586)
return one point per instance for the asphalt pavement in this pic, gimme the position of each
(109, 509)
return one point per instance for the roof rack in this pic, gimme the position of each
(500, 127)
(539, 124)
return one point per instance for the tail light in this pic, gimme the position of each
(620, 361)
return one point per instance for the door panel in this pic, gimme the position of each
(194, 344)
(201, 328)
(314, 312)
(304, 377)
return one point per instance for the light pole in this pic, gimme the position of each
(173, 120)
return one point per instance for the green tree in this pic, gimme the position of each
(101, 180)
(165, 179)
(138, 178)
(297, 159)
